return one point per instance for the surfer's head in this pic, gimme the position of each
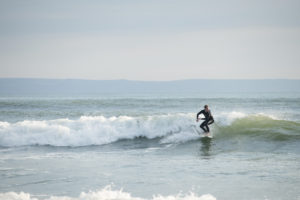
(206, 107)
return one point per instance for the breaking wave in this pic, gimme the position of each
(170, 128)
(107, 193)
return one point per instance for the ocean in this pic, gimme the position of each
(69, 147)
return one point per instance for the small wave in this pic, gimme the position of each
(260, 125)
(107, 193)
(170, 128)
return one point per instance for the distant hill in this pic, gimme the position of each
(24, 86)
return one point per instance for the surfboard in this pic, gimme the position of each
(207, 135)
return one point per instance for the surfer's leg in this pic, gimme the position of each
(210, 122)
(204, 124)
(207, 128)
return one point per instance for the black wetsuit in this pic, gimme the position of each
(207, 120)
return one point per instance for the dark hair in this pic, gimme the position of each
(206, 106)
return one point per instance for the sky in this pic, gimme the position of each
(150, 39)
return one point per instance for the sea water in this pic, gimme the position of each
(145, 147)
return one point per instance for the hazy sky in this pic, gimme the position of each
(150, 40)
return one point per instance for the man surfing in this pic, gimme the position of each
(208, 120)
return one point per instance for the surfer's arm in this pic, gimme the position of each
(199, 113)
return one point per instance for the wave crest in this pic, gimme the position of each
(88, 130)
(262, 126)
(171, 128)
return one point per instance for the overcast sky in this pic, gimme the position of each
(149, 39)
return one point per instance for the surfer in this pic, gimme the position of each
(208, 120)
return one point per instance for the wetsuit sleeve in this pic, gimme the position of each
(199, 113)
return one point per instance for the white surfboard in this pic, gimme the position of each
(207, 135)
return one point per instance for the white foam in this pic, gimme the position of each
(98, 130)
(90, 130)
(16, 196)
(107, 193)
(226, 118)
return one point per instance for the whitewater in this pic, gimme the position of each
(171, 128)
(145, 147)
